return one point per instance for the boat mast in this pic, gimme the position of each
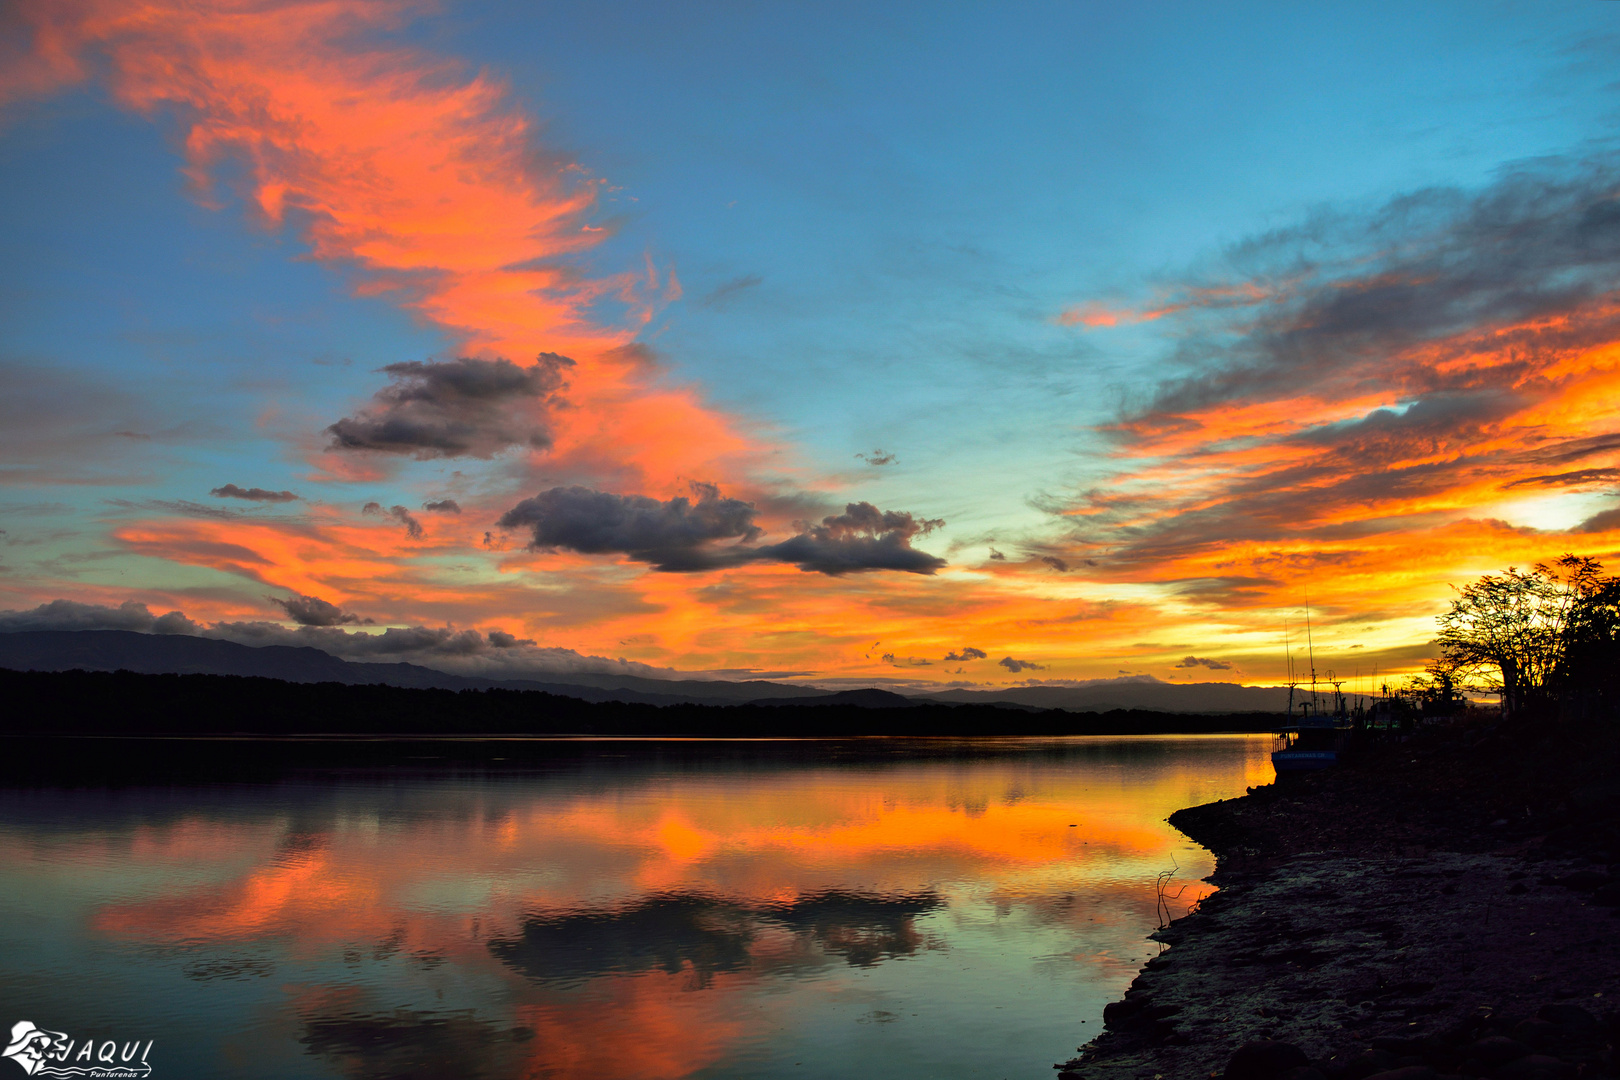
(1288, 659)
(1316, 705)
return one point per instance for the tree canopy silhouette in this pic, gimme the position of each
(1532, 637)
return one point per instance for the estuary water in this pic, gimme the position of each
(612, 909)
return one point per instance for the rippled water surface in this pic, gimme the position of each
(884, 908)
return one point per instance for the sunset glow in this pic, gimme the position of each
(767, 372)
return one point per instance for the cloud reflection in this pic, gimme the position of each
(707, 934)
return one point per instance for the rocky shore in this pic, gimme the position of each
(1443, 906)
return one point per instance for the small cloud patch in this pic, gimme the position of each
(413, 528)
(252, 494)
(313, 611)
(1204, 661)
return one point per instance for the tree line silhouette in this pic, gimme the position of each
(126, 703)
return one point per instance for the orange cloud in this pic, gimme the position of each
(1378, 430)
(423, 179)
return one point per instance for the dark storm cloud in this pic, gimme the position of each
(456, 408)
(442, 506)
(680, 534)
(1055, 563)
(313, 611)
(1202, 661)
(1015, 666)
(413, 528)
(231, 491)
(878, 457)
(968, 653)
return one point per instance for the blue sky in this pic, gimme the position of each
(876, 216)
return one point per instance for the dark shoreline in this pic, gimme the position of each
(1447, 906)
(100, 760)
(124, 703)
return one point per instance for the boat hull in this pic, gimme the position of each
(1303, 760)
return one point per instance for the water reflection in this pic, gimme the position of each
(613, 910)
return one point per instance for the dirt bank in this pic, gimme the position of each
(1444, 906)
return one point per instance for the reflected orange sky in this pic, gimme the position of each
(770, 842)
(735, 880)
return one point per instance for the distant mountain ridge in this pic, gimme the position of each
(179, 654)
(1209, 697)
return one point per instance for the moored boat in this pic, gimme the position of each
(1308, 744)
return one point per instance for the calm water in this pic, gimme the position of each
(886, 909)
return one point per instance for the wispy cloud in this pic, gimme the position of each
(413, 527)
(423, 180)
(724, 293)
(1375, 384)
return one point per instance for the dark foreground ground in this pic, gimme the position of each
(1447, 906)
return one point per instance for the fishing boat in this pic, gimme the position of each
(1313, 740)
(1309, 743)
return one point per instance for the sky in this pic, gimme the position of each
(897, 345)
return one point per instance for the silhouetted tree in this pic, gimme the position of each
(1589, 672)
(1520, 633)
(1438, 691)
